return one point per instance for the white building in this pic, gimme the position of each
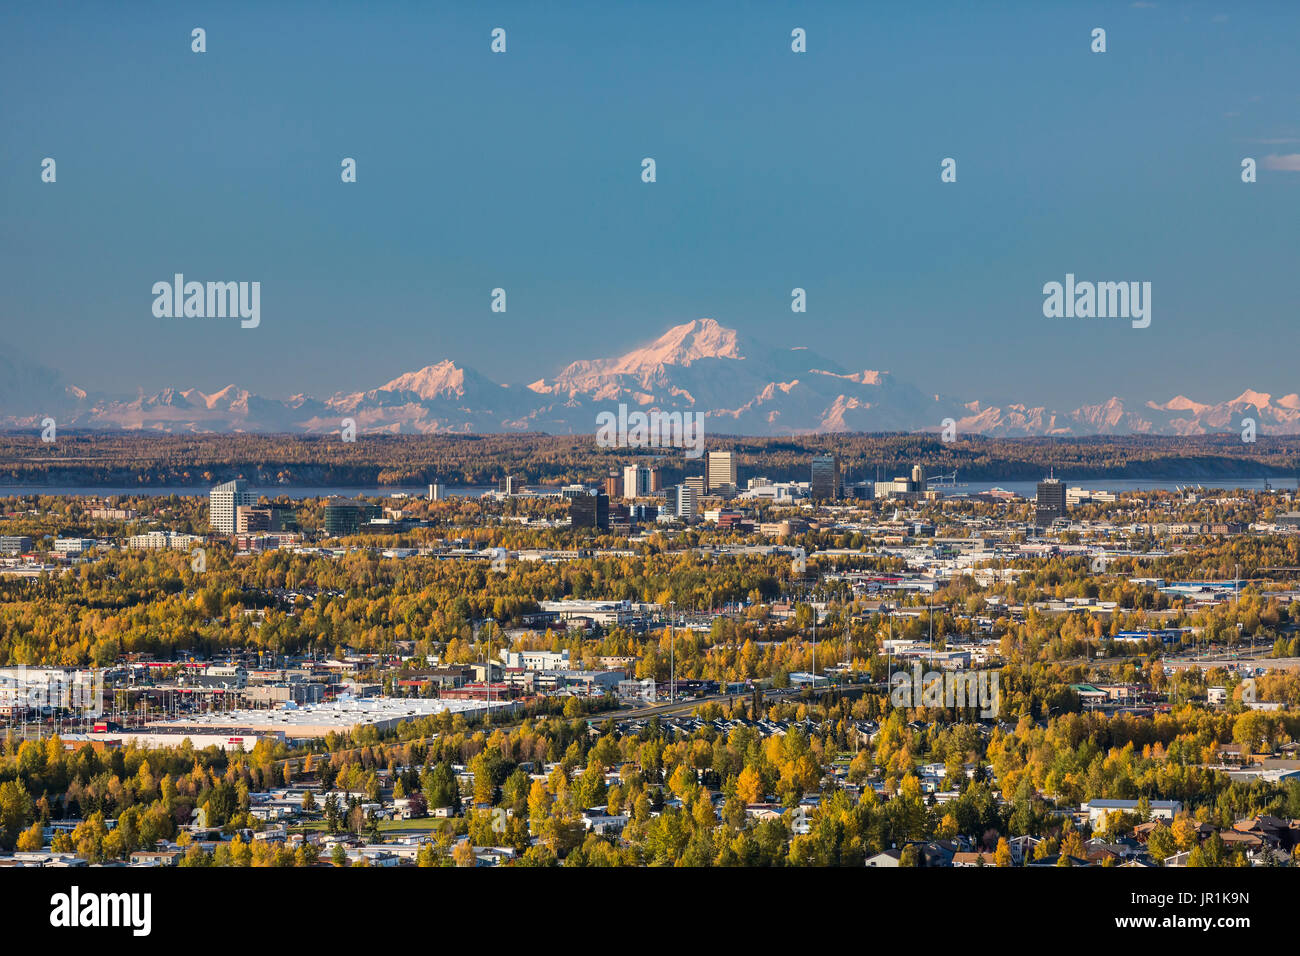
(783, 491)
(636, 481)
(73, 545)
(601, 820)
(536, 660)
(1160, 809)
(224, 499)
(599, 612)
(158, 540)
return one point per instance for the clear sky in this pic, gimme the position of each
(775, 170)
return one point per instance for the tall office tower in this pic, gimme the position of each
(825, 482)
(636, 481)
(918, 478)
(437, 492)
(721, 471)
(614, 485)
(1050, 503)
(685, 502)
(508, 485)
(224, 499)
(655, 486)
(696, 484)
(589, 511)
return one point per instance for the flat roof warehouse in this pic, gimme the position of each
(313, 720)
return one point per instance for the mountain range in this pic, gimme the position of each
(744, 387)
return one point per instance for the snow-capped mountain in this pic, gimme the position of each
(741, 385)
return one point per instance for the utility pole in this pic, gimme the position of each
(488, 671)
(848, 646)
(672, 652)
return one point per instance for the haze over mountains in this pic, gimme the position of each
(744, 387)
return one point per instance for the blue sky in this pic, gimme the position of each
(775, 170)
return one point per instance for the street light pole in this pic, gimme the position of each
(848, 646)
(889, 650)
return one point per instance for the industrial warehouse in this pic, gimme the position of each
(242, 729)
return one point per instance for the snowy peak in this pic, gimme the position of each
(680, 347)
(432, 381)
(1252, 397)
(684, 344)
(865, 377)
(1179, 403)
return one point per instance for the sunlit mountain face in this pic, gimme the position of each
(741, 385)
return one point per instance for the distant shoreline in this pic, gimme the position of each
(1024, 488)
(271, 463)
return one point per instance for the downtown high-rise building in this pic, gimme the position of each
(720, 472)
(825, 478)
(636, 481)
(222, 502)
(589, 511)
(685, 502)
(1050, 503)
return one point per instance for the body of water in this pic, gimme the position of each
(1028, 489)
(269, 491)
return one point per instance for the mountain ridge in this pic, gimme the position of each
(741, 385)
